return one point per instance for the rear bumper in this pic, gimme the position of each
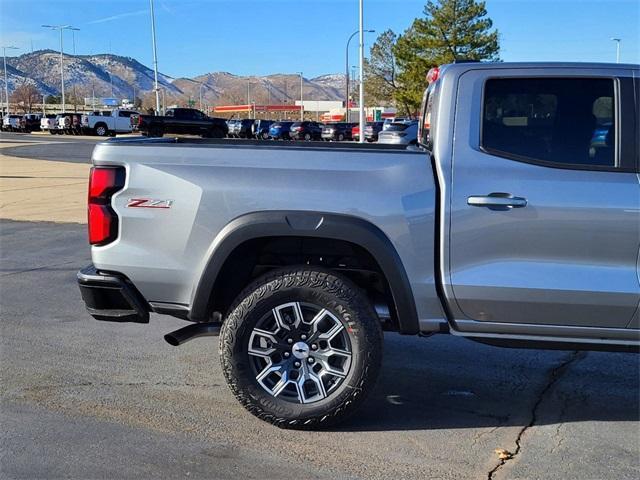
(111, 297)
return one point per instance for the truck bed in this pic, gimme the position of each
(210, 182)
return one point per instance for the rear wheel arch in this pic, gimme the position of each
(237, 246)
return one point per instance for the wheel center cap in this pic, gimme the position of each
(300, 350)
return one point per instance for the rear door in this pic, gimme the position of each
(545, 201)
(123, 121)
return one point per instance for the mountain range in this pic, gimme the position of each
(107, 75)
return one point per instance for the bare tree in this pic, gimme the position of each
(25, 96)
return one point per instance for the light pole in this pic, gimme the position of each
(6, 84)
(347, 78)
(617, 40)
(301, 101)
(73, 39)
(361, 100)
(61, 28)
(248, 96)
(201, 85)
(155, 57)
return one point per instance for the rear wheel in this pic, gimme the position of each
(340, 137)
(101, 130)
(301, 348)
(307, 136)
(155, 131)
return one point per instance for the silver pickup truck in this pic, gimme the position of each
(515, 222)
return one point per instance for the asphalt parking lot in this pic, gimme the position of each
(85, 399)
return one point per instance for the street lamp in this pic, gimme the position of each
(61, 28)
(155, 58)
(301, 101)
(6, 84)
(617, 40)
(347, 70)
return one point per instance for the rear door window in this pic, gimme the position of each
(566, 122)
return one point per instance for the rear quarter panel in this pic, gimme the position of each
(163, 251)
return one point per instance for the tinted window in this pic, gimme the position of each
(564, 121)
(397, 127)
(124, 114)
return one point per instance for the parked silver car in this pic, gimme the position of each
(400, 133)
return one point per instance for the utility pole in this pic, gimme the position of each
(248, 96)
(155, 58)
(6, 83)
(361, 100)
(617, 40)
(201, 85)
(301, 100)
(61, 28)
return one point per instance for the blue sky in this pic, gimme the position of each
(257, 37)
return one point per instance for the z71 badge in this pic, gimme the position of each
(148, 203)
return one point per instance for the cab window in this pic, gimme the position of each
(566, 122)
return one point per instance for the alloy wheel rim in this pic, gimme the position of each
(300, 352)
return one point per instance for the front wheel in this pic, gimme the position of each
(301, 348)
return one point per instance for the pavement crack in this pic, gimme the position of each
(552, 378)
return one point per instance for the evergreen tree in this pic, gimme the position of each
(381, 71)
(450, 30)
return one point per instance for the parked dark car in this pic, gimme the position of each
(306, 131)
(372, 130)
(30, 122)
(244, 128)
(261, 129)
(337, 131)
(280, 131)
(180, 120)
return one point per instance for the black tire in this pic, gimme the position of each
(155, 131)
(101, 130)
(265, 136)
(216, 132)
(307, 137)
(340, 137)
(348, 307)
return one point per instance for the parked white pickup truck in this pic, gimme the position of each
(107, 123)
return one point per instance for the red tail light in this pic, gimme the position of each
(103, 221)
(433, 74)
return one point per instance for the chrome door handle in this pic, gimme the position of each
(497, 201)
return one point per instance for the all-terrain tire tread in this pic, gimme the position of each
(333, 284)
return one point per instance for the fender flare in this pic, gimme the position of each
(309, 224)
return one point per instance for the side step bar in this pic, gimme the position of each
(184, 334)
